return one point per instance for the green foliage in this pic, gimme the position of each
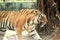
(17, 5)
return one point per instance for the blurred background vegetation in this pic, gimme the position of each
(7, 5)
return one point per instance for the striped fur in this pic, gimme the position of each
(25, 18)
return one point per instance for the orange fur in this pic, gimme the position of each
(1, 18)
(19, 18)
(21, 22)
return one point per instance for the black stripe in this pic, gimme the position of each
(7, 24)
(33, 35)
(28, 21)
(31, 31)
(30, 12)
(13, 28)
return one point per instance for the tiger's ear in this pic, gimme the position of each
(44, 18)
(58, 15)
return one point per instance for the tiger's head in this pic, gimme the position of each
(42, 19)
(37, 17)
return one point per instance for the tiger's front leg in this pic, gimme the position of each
(32, 32)
(19, 25)
(19, 33)
(19, 29)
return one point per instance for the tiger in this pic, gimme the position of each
(24, 18)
